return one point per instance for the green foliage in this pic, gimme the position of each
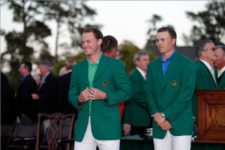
(152, 30)
(127, 51)
(211, 23)
(33, 16)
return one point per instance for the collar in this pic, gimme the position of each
(169, 58)
(207, 64)
(97, 62)
(142, 72)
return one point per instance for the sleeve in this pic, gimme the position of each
(148, 88)
(73, 89)
(122, 83)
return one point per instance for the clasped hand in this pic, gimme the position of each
(91, 94)
(162, 122)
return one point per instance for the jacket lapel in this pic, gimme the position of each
(85, 73)
(170, 70)
(103, 64)
(201, 63)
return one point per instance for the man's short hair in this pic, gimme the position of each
(138, 55)
(109, 42)
(200, 46)
(97, 33)
(170, 30)
(222, 46)
(27, 65)
(46, 63)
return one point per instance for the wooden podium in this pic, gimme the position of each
(211, 116)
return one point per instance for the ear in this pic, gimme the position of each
(174, 42)
(99, 41)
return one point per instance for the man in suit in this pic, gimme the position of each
(136, 115)
(206, 78)
(99, 84)
(220, 65)
(26, 105)
(46, 95)
(169, 90)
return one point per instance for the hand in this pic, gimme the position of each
(97, 94)
(126, 129)
(35, 96)
(165, 125)
(158, 118)
(84, 96)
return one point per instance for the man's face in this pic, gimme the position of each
(220, 58)
(209, 53)
(142, 63)
(22, 69)
(43, 69)
(90, 44)
(164, 42)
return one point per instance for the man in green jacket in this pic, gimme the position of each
(136, 118)
(220, 65)
(206, 77)
(169, 89)
(98, 84)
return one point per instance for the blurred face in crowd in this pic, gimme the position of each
(164, 42)
(208, 54)
(90, 44)
(142, 63)
(43, 69)
(220, 58)
(23, 70)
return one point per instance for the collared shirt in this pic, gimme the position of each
(92, 68)
(210, 69)
(220, 72)
(166, 63)
(43, 79)
(142, 72)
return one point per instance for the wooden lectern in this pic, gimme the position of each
(211, 116)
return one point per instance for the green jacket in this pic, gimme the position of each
(221, 81)
(172, 94)
(204, 81)
(136, 111)
(204, 78)
(111, 78)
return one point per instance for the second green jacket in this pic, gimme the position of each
(172, 94)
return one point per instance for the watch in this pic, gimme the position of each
(163, 115)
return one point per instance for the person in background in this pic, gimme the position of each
(62, 94)
(46, 96)
(68, 66)
(26, 106)
(169, 90)
(136, 117)
(37, 79)
(109, 47)
(98, 84)
(8, 113)
(206, 78)
(220, 65)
